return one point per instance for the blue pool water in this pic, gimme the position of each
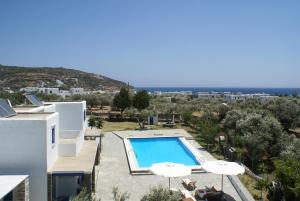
(163, 149)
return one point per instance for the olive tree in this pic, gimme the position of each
(286, 111)
(122, 100)
(162, 194)
(141, 101)
(260, 133)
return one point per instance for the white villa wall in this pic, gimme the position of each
(52, 148)
(72, 126)
(71, 115)
(23, 151)
(49, 108)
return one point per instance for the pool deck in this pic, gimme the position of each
(114, 170)
(153, 133)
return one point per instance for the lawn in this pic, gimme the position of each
(109, 126)
(250, 184)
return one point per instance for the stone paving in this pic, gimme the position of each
(114, 171)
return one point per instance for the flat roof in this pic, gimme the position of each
(31, 116)
(82, 163)
(9, 182)
(25, 108)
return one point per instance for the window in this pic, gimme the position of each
(84, 115)
(53, 134)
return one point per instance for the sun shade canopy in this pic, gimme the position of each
(223, 167)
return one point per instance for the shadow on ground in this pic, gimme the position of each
(228, 197)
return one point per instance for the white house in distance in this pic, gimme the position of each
(49, 91)
(209, 95)
(47, 143)
(54, 90)
(77, 91)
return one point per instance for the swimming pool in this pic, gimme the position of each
(143, 152)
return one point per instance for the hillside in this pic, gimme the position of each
(18, 77)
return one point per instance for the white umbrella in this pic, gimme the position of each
(170, 170)
(223, 168)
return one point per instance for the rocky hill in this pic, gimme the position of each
(18, 77)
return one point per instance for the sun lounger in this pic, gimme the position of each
(186, 194)
(188, 184)
(209, 194)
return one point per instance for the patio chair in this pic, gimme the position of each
(187, 195)
(188, 184)
(208, 194)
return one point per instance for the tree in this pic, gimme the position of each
(92, 122)
(95, 122)
(290, 145)
(287, 173)
(122, 100)
(286, 111)
(141, 100)
(209, 130)
(187, 116)
(231, 119)
(15, 98)
(222, 111)
(162, 194)
(99, 122)
(92, 101)
(262, 185)
(260, 133)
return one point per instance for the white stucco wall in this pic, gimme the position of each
(71, 115)
(52, 148)
(24, 151)
(49, 108)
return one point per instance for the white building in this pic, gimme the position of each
(29, 89)
(243, 97)
(209, 95)
(64, 93)
(78, 91)
(49, 91)
(47, 143)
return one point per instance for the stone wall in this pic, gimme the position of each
(21, 192)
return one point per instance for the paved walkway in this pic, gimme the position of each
(114, 171)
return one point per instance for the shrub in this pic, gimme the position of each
(161, 194)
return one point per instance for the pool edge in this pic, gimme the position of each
(133, 164)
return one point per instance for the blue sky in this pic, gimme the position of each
(201, 43)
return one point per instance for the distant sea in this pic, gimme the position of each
(271, 91)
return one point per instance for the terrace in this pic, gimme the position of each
(114, 169)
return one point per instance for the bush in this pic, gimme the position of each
(95, 122)
(84, 195)
(288, 175)
(161, 194)
(118, 196)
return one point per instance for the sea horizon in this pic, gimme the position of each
(244, 90)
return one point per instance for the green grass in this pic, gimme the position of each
(250, 184)
(109, 126)
(118, 126)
